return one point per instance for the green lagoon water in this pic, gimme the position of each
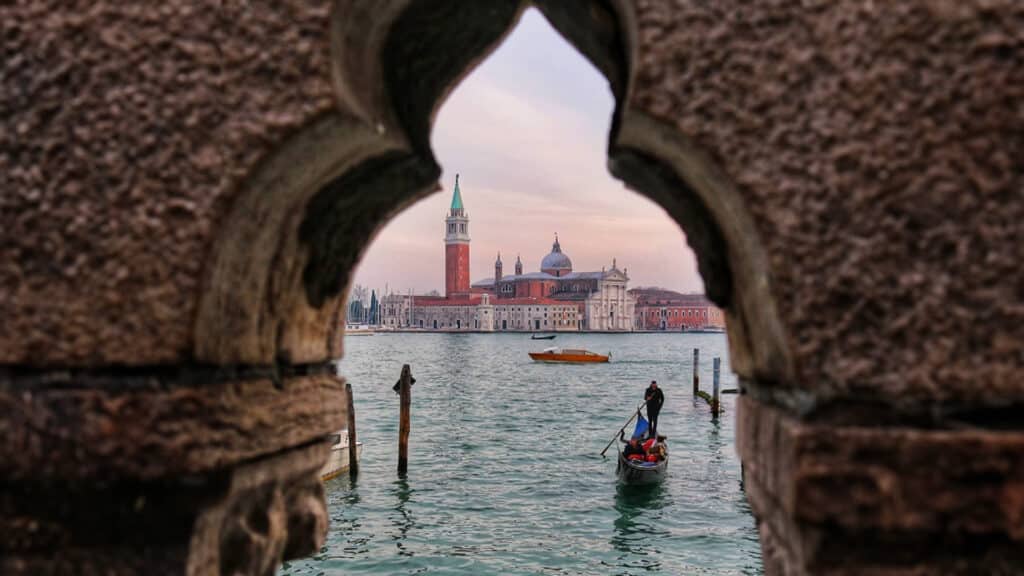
(504, 473)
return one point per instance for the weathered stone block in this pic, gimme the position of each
(243, 520)
(858, 499)
(90, 427)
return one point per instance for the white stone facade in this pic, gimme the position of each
(480, 315)
(536, 317)
(610, 307)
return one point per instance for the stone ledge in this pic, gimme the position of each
(68, 434)
(841, 497)
(239, 521)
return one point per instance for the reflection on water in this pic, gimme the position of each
(638, 531)
(343, 493)
(401, 517)
(504, 472)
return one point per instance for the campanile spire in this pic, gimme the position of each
(456, 209)
(456, 246)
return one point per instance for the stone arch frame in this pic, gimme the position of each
(874, 144)
(394, 63)
(303, 219)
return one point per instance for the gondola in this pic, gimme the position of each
(638, 472)
(542, 337)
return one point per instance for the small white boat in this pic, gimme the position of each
(337, 461)
(359, 330)
(705, 330)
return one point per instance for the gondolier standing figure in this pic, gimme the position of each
(654, 398)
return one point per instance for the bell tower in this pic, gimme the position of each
(456, 247)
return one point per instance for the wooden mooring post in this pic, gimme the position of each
(404, 389)
(714, 389)
(696, 375)
(353, 448)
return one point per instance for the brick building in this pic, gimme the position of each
(456, 248)
(660, 309)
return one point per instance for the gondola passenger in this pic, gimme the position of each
(654, 448)
(633, 450)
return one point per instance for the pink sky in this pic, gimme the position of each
(527, 132)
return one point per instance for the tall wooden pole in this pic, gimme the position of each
(714, 393)
(353, 447)
(696, 375)
(404, 389)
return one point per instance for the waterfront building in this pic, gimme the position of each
(554, 299)
(396, 310)
(660, 309)
(479, 314)
(601, 298)
(452, 314)
(535, 314)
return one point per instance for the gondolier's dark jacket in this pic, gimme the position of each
(654, 399)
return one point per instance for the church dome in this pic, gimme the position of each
(556, 262)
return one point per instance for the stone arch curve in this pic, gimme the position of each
(302, 220)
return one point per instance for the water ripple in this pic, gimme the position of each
(504, 476)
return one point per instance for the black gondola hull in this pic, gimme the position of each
(637, 473)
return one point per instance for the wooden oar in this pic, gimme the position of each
(635, 414)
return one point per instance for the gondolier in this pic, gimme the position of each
(654, 398)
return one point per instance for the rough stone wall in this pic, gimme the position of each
(125, 130)
(877, 146)
(874, 147)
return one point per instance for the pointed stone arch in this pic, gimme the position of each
(373, 158)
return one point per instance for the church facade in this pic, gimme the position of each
(554, 299)
(601, 298)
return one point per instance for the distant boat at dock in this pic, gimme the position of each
(359, 330)
(705, 330)
(543, 337)
(337, 461)
(569, 356)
